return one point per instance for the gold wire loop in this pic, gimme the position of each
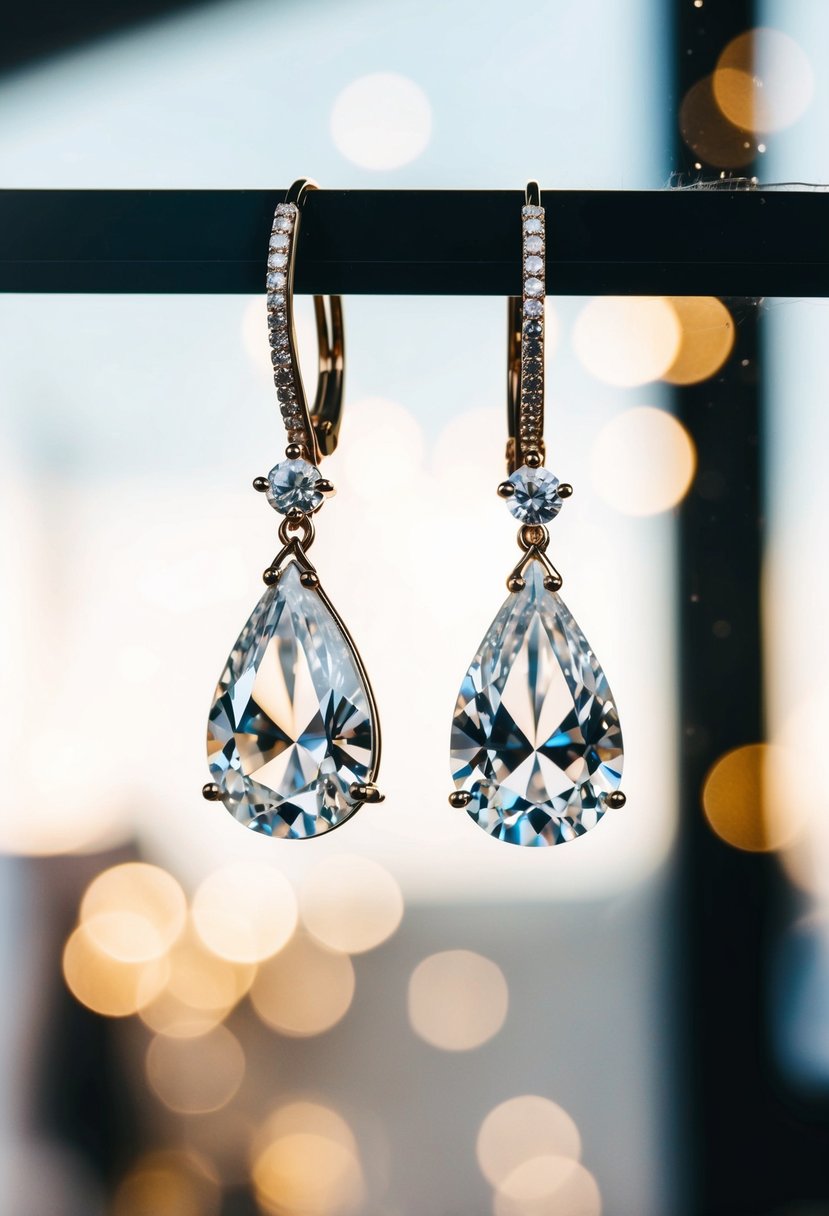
(302, 524)
(316, 428)
(525, 350)
(533, 536)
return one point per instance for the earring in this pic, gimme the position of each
(293, 738)
(536, 744)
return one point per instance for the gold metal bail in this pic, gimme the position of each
(525, 343)
(317, 429)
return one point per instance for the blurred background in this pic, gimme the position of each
(408, 1017)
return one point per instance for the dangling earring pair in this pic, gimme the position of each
(294, 736)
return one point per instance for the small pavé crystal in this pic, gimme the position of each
(532, 348)
(533, 329)
(533, 308)
(280, 242)
(533, 264)
(278, 261)
(285, 393)
(533, 227)
(533, 244)
(283, 223)
(276, 279)
(531, 209)
(276, 305)
(533, 287)
(280, 357)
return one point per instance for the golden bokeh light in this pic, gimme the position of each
(750, 799)
(245, 912)
(708, 133)
(308, 1118)
(200, 991)
(308, 1174)
(134, 911)
(521, 1129)
(193, 1076)
(382, 448)
(707, 330)
(381, 121)
(168, 1183)
(108, 985)
(763, 81)
(350, 903)
(305, 990)
(548, 1184)
(457, 1000)
(627, 340)
(643, 461)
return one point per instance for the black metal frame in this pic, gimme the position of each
(420, 242)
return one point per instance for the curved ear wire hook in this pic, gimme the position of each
(525, 344)
(315, 429)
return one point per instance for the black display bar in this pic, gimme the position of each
(417, 242)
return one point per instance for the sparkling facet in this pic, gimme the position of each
(291, 726)
(531, 209)
(533, 264)
(533, 244)
(536, 738)
(276, 279)
(533, 227)
(283, 223)
(533, 308)
(533, 329)
(278, 261)
(533, 287)
(536, 499)
(293, 483)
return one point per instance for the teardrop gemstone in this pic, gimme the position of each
(536, 739)
(292, 726)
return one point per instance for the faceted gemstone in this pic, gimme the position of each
(279, 241)
(533, 329)
(536, 499)
(283, 224)
(533, 227)
(293, 483)
(533, 308)
(276, 279)
(532, 209)
(533, 244)
(533, 287)
(291, 728)
(533, 264)
(278, 261)
(536, 739)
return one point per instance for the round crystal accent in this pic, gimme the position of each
(533, 264)
(536, 499)
(533, 287)
(533, 227)
(533, 308)
(533, 244)
(293, 483)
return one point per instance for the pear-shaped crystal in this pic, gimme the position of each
(291, 728)
(536, 739)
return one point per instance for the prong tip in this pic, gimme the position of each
(366, 792)
(294, 450)
(260, 484)
(325, 487)
(553, 582)
(309, 579)
(211, 792)
(459, 799)
(294, 513)
(616, 800)
(565, 490)
(270, 576)
(533, 459)
(515, 583)
(506, 489)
